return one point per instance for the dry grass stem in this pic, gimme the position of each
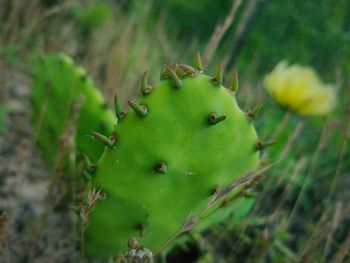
(220, 31)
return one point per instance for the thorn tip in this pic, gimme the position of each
(252, 114)
(189, 71)
(106, 141)
(161, 168)
(141, 110)
(177, 81)
(260, 145)
(198, 62)
(234, 82)
(145, 88)
(218, 75)
(117, 108)
(215, 119)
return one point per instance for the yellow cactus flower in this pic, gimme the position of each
(300, 89)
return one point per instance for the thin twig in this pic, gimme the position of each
(53, 11)
(343, 251)
(342, 152)
(290, 185)
(220, 31)
(282, 125)
(335, 222)
(285, 150)
(337, 174)
(319, 148)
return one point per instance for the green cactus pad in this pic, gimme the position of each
(58, 85)
(184, 139)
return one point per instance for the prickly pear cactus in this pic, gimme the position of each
(63, 96)
(169, 160)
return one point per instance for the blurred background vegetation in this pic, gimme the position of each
(300, 210)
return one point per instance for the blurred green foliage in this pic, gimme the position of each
(4, 110)
(193, 18)
(9, 53)
(91, 16)
(310, 32)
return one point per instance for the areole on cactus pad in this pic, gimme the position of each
(168, 159)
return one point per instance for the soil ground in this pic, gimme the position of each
(30, 231)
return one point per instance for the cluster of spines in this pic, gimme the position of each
(136, 253)
(175, 73)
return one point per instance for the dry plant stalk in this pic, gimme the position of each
(3, 220)
(220, 31)
(85, 210)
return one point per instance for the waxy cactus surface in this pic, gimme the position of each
(63, 97)
(168, 156)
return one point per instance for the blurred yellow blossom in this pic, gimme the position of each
(300, 89)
